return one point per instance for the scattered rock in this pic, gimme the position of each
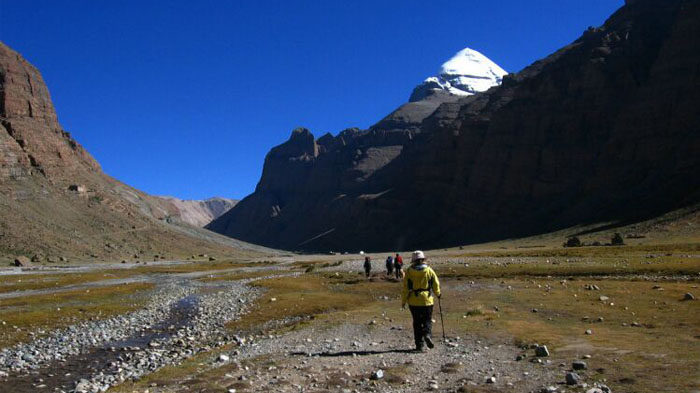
(22, 261)
(579, 365)
(491, 380)
(541, 351)
(79, 188)
(617, 240)
(83, 386)
(688, 296)
(433, 385)
(379, 374)
(589, 332)
(572, 378)
(224, 358)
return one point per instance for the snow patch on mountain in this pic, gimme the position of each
(468, 72)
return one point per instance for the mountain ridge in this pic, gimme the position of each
(600, 130)
(466, 73)
(199, 212)
(56, 201)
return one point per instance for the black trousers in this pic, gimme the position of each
(422, 323)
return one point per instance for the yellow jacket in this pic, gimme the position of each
(417, 282)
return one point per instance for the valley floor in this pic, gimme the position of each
(315, 323)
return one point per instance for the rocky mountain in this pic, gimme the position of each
(466, 73)
(605, 130)
(199, 213)
(56, 201)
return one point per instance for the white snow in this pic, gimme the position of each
(466, 73)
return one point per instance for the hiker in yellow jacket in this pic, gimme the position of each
(419, 280)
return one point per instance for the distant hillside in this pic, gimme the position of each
(55, 201)
(200, 213)
(605, 130)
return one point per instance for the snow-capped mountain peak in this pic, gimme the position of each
(467, 72)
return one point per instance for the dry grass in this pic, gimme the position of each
(236, 276)
(48, 312)
(312, 296)
(543, 267)
(663, 352)
(20, 282)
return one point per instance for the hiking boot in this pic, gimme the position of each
(429, 341)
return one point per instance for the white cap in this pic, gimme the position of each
(417, 255)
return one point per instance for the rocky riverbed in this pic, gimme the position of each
(183, 318)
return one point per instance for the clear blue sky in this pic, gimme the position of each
(185, 98)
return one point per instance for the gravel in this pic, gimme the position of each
(60, 344)
(203, 332)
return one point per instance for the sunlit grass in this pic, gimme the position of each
(47, 312)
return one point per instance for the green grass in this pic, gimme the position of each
(543, 267)
(329, 296)
(47, 312)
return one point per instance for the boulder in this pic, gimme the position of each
(541, 351)
(77, 188)
(22, 261)
(579, 365)
(572, 378)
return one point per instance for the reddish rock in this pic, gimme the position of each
(31, 139)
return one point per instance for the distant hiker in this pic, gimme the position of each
(420, 279)
(368, 265)
(398, 266)
(389, 265)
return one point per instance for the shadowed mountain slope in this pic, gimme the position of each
(604, 130)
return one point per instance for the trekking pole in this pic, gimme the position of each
(442, 321)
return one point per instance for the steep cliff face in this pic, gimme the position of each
(31, 140)
(605, 129)
(56, 201)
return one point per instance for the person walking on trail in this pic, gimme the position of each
(389, 265)
(398, 266)
(368, 265)
(418, 283)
